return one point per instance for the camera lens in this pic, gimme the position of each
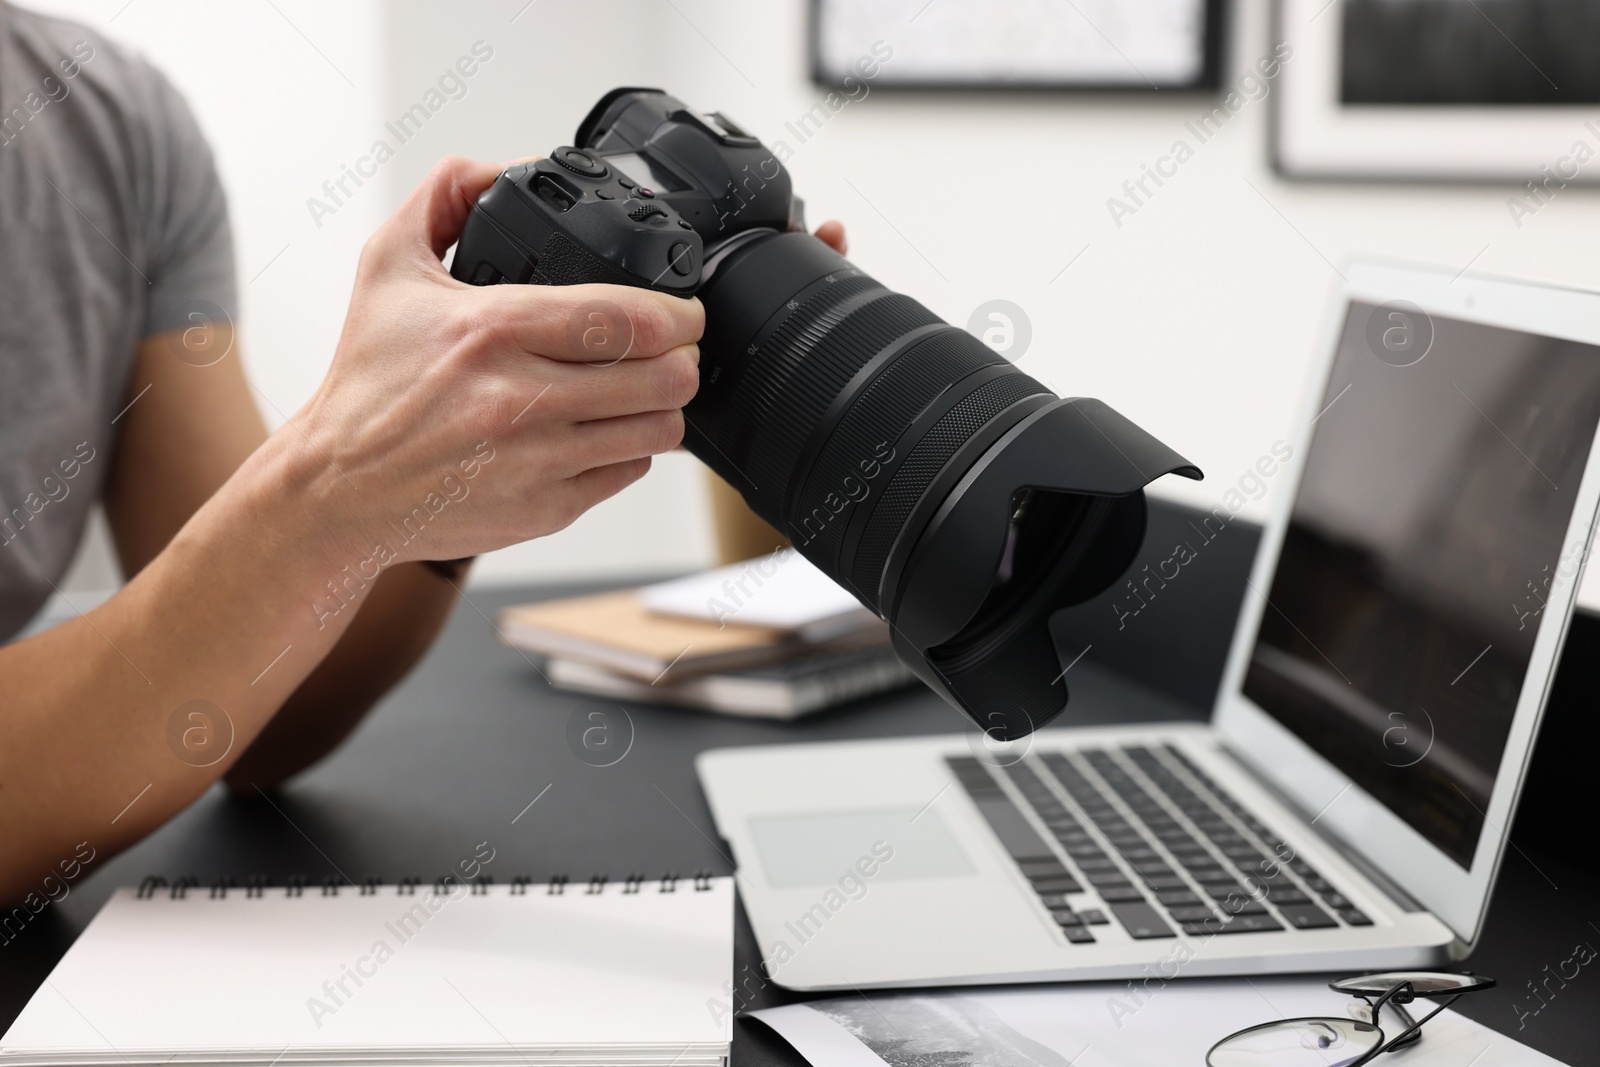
(954, 495)
(820, 390)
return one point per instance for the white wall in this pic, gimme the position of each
(284, 91)
(1195, 318)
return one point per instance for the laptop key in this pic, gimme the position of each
(1250, 923)
(1354, 917)
(1141, 921)
(1064, 917)
(1056, 885)
(1166, 884)
(1104, 879)
(1191, 913)
(1307, 917)
(1018, 836)
(1178, 899)
(1286, 895)
(1050, 868)
(1078, 935)
(1241, 905)
(1225, 890)
(1093, 917)
(1119, 894)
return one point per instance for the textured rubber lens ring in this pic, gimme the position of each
(857, 462)
(919, 469)
(796, 373)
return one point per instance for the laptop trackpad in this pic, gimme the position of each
(893, 843)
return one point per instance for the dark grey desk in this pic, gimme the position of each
(454, 757)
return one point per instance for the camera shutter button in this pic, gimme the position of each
(682, 258)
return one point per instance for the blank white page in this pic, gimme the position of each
(571, 971)
(783, 590)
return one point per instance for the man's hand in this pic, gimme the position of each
(454, 420)
(514, 394)
(831, 233)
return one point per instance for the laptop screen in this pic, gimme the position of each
(1424, 538)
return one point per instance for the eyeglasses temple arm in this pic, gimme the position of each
(1415, 1028)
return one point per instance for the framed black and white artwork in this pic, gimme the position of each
(1439, 90)
(1131, 45)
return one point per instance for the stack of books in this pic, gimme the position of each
(771, 637)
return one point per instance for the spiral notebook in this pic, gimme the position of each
(560, 973)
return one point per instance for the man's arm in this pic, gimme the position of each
(424, 441)
(193, 425)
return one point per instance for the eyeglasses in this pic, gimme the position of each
(1339, 1042)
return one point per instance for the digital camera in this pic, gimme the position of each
(952, 494)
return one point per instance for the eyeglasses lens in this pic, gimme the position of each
(1329, 1042)
(1423, 983)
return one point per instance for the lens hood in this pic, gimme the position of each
(983, 642)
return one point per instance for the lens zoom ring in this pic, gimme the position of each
(918, 470)
(849, 462)
(779, 406)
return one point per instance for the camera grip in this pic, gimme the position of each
(563, 261)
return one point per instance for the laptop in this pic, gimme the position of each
(1347, 805)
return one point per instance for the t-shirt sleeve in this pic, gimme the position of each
(188, 241)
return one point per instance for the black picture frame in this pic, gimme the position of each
(1315, 135)
(1209, 78)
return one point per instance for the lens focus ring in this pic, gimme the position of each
(777, 406)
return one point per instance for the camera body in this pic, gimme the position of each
(653, 189)
(952, 494)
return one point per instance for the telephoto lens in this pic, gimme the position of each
(952, 494)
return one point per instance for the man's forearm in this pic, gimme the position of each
(118, 719)
(115, 721)
(402, 614)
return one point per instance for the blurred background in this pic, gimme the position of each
(1194, 309)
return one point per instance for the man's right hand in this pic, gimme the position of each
(503, 412)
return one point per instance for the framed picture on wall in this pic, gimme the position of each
(1438, 90)
(1136, 45)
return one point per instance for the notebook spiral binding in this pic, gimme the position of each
(295, 885)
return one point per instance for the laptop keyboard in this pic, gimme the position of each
(1161, 844)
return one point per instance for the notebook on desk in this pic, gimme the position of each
(562, 974)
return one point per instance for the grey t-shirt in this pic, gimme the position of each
(113, 228)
